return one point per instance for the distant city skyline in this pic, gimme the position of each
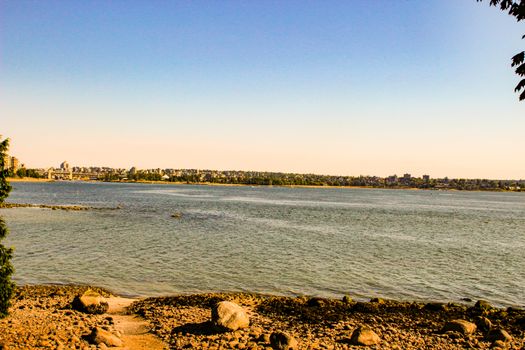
(340, 88)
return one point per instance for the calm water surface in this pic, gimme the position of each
(425, 245)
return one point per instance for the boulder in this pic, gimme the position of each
(460, 326)
(364, 336)
(499, 334)
(230, 316)
(100, 336)
(483, 305)
(283, 341)
(90, 302)
(436, 307)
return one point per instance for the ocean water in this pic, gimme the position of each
(400, 244)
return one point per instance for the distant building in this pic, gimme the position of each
(15, 164)
(391, 180)
(406, 179)
(426, 178)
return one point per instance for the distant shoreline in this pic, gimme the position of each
(180, 183)
(27, 179)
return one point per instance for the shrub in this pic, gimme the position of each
(6, 268)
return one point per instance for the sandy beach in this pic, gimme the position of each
(27, 179)
(42, 317)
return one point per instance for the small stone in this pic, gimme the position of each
(347, 299)
(460, 326)
(436, 307)
(521, 322)
(90, 302)
(499, 334)
(99, 336)
(483, 324)
(230, 316)
(377, 300)
(315, 302)
(283, 341)
(364, 336)
(483, 305)
(264, 338)
(498, 344)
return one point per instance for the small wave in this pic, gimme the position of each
(185, 194)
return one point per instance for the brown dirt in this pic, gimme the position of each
(41, 317)
(134, 330)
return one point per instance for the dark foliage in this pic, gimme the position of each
(6, 268)
(515, 8)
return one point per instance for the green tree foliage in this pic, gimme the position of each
(6, 268)
(515, 8)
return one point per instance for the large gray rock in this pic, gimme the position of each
(100, 336)
(230, 316)
(364, 336)
(460, 326)
(283, 341)
(90, 302)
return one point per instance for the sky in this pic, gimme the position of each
(328, 87)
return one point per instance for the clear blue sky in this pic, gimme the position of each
(335, 87)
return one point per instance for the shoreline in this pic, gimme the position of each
(41, 316)
(212, 184)
(10, 205)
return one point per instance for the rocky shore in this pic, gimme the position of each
(53, 317)
(54, 207)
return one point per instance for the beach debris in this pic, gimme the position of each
(283, 341)
(176, 215)
(230, 316)
(101, 336)
(460, 326)
(364, 336)
(90, 302)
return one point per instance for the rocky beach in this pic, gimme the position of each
(81, 317)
